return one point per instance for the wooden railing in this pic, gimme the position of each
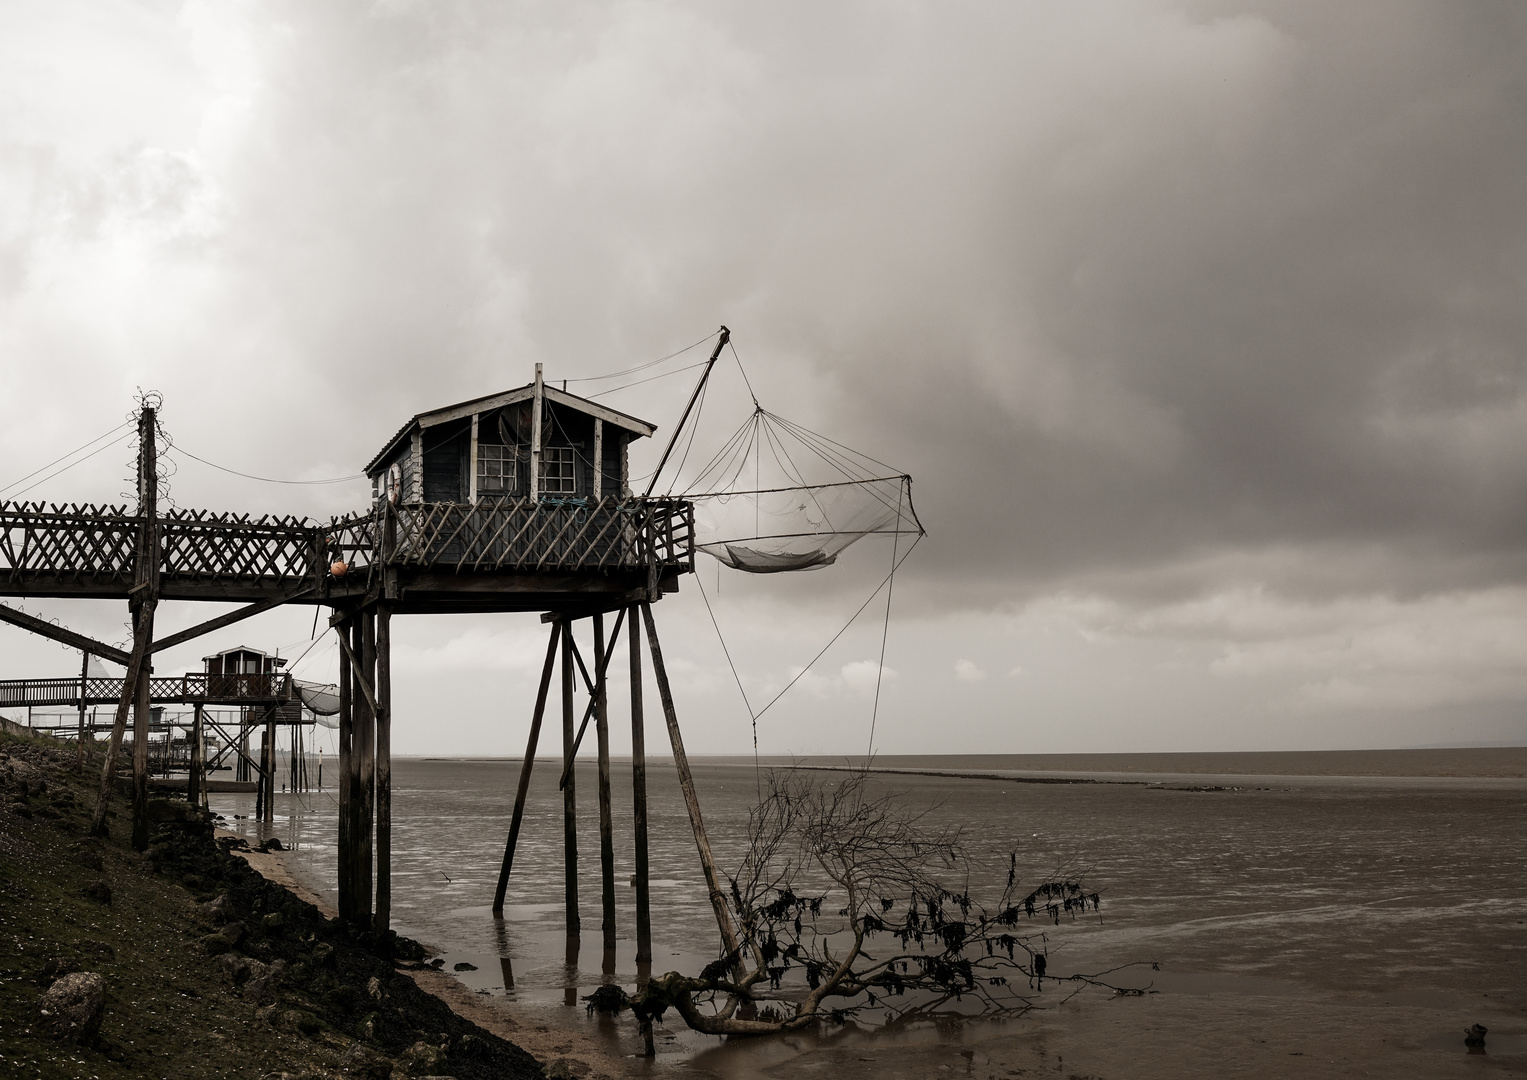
(91, 550)
(551, 535)
(188, 689)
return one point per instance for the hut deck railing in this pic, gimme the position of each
(94, 548)
(220, 689)
(606, 535)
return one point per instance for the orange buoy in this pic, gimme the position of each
(339, 568)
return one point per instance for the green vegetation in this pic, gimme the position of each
(209, 969)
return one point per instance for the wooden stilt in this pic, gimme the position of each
(79, 747)
(366, 739)
(569, 792)
(196, 776)
(269, 779)
(606, 823)
(146, 576)
(383, 767)
(262, 798)
(143, 635)
(639, 801)
(346, 873)
(525, 767)
(718, 899)
(141, 716)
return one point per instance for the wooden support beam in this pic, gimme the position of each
(639, 807)
(718, 898)
(262, 802)
(383, 921)
(146, 588)
(141, 718)
(59, 634)
(600, 666)
(525, 767)
(79, 743)
(268, 780)
(228, 619)
(196, 779)
(359, 673)
(142, 636)
(606, 817)
(346, 852)
(366, 744)
(569, 793)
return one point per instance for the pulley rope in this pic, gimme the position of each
(885, 632)
(822, 652)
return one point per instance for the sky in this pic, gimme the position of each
(1199, 326)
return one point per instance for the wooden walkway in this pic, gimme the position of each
(505, 555)
(193, 689)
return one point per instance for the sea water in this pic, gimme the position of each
(1308, 914)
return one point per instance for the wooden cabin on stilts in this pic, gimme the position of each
(519, 501)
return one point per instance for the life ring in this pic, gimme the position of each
(394, 483)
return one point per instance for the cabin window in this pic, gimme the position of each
(557, 475)
(496, 468)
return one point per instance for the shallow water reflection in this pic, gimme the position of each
(1285, 889)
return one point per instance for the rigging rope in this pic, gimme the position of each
(885, 632)
(265, 479)
(644, 367)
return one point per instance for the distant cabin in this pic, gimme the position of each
(536, 442)
(242, 661)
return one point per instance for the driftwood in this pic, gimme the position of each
(843, 909)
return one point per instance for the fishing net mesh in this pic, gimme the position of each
(778, 497)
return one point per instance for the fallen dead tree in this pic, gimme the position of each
(846, 905)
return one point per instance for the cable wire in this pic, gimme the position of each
(70, 454)
(265, 479)
(59, 472)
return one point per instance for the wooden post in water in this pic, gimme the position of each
(269, 764)
(525, 767)
(569, 792)
(606, 823)
(260, 799)
(346, 868)
(366, 739)
(194, 776)
(639, 803)
(718, 898)
(384, 767)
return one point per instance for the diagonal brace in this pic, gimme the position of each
(604, 663)
(360, 678)
(227, 619)
(59, 634)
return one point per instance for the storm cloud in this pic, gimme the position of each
(1199, 323)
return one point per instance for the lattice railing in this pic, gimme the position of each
(95, 546)
(83, 544)
(226, 689)
(198, 544)
(518, 534)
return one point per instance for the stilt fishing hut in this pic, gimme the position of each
(519, 501)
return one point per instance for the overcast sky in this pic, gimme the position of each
(1200, 326)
